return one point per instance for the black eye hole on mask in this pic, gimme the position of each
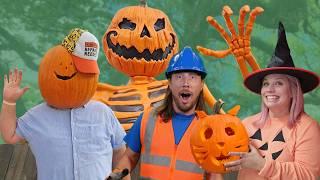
(159, 24)
(127, 24)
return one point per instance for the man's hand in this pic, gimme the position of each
(11, 93)
(11, 88)
(118, 175)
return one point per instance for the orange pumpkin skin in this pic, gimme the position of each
(214, 138)
(61, 85)
(136, 40)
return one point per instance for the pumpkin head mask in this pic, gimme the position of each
(68, 73)
(140, 41)
(217, 135)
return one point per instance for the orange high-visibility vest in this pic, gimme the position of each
(161, 158)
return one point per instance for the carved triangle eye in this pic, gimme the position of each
(279, 137)
(159, 25)
(276, 154)
(127, 24)
(257, 135)
(264, 147)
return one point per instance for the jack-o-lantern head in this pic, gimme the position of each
(68, 73)
(215, 136)
(140, 41)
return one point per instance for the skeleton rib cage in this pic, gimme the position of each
(128, 102)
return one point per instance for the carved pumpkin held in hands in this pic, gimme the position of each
(215, 137)
(64, 82)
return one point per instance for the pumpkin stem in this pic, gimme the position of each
(143, 3)
(234, 111)
(217, 107)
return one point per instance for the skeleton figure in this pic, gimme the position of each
(139, 42)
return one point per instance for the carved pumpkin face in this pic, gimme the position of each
(140, 41)
(61, 85)
(214, 138)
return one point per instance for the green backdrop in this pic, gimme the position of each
(30, 27)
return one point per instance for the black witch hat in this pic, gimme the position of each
(281, 63)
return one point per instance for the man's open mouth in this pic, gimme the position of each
(185, 95)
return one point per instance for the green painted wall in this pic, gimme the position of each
(29, 28)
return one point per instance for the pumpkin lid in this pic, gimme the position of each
(84, 49)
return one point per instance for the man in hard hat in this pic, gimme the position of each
(160, 137)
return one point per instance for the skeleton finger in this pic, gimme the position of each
(219, 28)
(242, 14)
(214, 53)
(226, 13)
(254, 13)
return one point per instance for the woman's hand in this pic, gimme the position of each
(11, 88)
(251, 159)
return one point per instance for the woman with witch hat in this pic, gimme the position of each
(284, 140)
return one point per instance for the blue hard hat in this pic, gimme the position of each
(186, 60)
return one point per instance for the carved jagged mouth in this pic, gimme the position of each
(222, 157)
(132, 52)
(64, 77)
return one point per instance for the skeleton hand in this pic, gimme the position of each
(239, 44)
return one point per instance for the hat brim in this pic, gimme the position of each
(203, 74)
(308, 79)
(85, 66)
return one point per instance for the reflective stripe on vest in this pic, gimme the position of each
(188, 166)
(144, 178)
(147, 158)
(156, 160)
(149, 131)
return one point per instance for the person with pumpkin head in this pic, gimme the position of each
(160, 137)
(71, 136)
(284, 139)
